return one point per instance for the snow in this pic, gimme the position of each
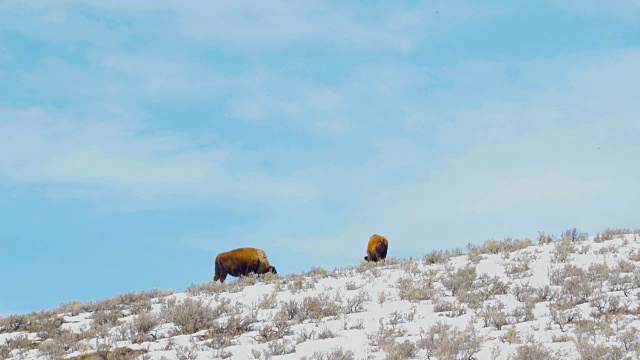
(415, 318)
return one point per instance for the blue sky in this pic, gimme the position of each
(139, 139)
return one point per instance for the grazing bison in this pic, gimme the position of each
(241, 262)
(377, 248)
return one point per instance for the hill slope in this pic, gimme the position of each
(576, 297)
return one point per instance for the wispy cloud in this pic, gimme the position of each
(132, 160)
(265, 27)
(627, 10)
(4, 53)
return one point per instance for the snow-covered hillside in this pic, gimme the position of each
(575, 297)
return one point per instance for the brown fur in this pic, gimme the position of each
(242, 262)
(377, 248)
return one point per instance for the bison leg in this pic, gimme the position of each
(223, 276)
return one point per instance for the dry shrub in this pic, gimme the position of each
(577, 289)
(186, 352)
(562, 251)
(44, 322)
(519, 267)
(444, 341)
(510, 336)
(450, 308)
(277, 328)
(317, 271)
(297, 283)
(52, 349)
(326, 333)
(351, 285)
(311, 308)
(387, 332)
(107, 318)
(139, 330)
(279, 347)
(545, 293)
(242, 282)
(488, 287)
(356, 303)
(123, 301)
(436, 257)
(557, 276)
(634, 255)
(62, 343)
(493, 315)
(269, 278)
(505, 246)
(460, 280)
(573, 235)
(121, 353)
(268, 301)
(610, 234)
(563, 314)
(401, 350)
(207, 288)
(234, 325)
(630, 339)
(336, 353)
(318, 307)
(221, 354)
(618, 281)
(597, 274)
(71, 308)
(534, 351)
(415, 289)
(193, 315)
(588, 349)
(523, 293)
(291, 309)
(20, 342)
(474, 254)
(410, 266)
(524, 312)
(544, 239)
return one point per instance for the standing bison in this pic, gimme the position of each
(242, 262)
(377, 248)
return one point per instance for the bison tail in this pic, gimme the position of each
(217, 276)
(366, 258)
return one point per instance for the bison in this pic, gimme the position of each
(377, 248)
(242, 262)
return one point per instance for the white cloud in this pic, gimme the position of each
(333, 126)
(627, 10)
(134, 162)
(156, 75)
(505, 194)
(297, 105)
(4, 53)
(323, 100)
(56, 16)
(274, 24)
(124, 79)
(258, 27)
(553, 147)
(439, 143)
